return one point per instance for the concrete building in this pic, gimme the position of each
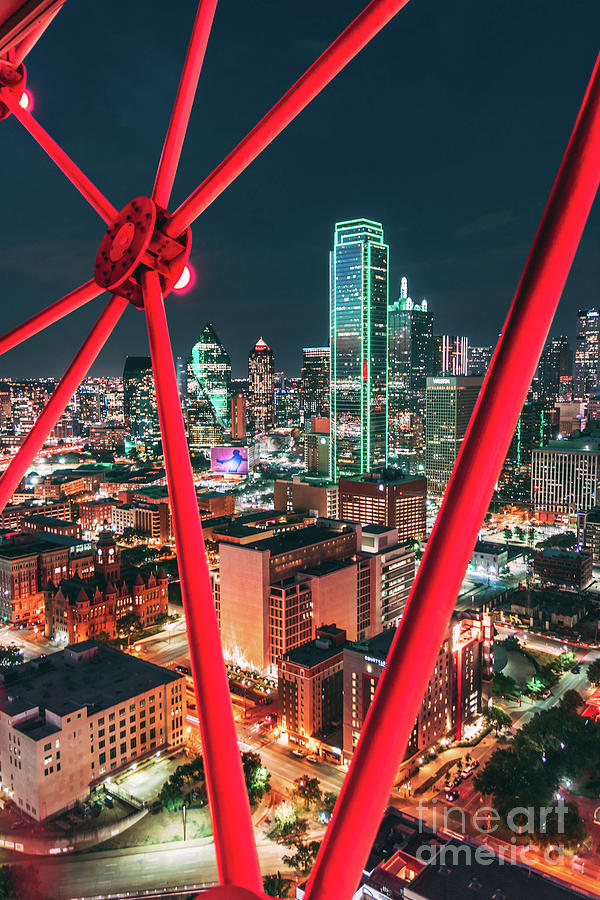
(589, 532)
(272, 593)
(13, 514)
(310, 691)
(50, 525)
(564, 478)
(458, 690)
(489, 558)
(564, 569)
(70, 719)
(389, 499)
(449, 404)
(306, 495)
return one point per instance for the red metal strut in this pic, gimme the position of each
(57, 403)
(50, 315)
(356, 36)
(391, 717)
(167, 167)
(228, 799)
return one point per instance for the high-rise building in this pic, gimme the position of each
(359, 348)
(555, 371)
(208, 389)
(587, 353)
(535, 427)
(306, 495)
(238, 416)
(565, 477)
(450, 402)
(451, 355)
(479, 360)
(315, 381)
(410, 329)
(287, 407)
(139, 405)
(390, 499)
(261, 388)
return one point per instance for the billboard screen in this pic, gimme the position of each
(229, 460)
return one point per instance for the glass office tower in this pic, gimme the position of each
(358, 317)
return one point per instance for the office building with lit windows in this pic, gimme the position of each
(450, 403)
(411, 345)
(139, 406)
(451, 355)
(564, 478)
(535, 427)
(69, 719)
(587, 354)
(315, 381)
(261, 388)
(479, 360)
(458, 690)
(208, 389)
(387, 498)
(359, 348)
(555, 370)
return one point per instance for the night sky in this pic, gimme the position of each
(448, 128)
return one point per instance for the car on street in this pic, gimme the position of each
(451, 796)
(299, 753)
(311, 758)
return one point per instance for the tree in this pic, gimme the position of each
(276, 885)
(593, 672)
(459, 765)
(9, 657)
(504, 685)
(257, 778)
(304, 856)
(130, 622)
(328, 802)
(497, 718)
(307, 790)
(571, 700)
(507, 534)
(519, 533)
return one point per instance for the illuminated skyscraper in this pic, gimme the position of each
(479, 360)
(555, 371)
(208, 389)
(359, 348)
(451, 355)
(450, 402)
(587, 353)
(139, 404)
(261, 388)
(410, 330)
(315, 381)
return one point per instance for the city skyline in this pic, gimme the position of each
(452, 230)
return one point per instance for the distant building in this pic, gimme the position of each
(238, 416)
(50, 525)
(535, 427)
(208, 390)
(317, 446)
(318, 498)
(589, 523)
(13, 513)
(587, 354)
(287, 407)
(261, 388)
(389, 499)
(555, 370)
(359, 348)
(310, 690)
(457, 693)
(315, 381)
(567, 570)
(69, 719)
(139, 405)
(479, 361)
(451, 355)
(489, 558)
(450, 403)
(564, 478)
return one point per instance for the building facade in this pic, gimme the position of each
(555, 370)
(208, 389)
(450, 403)
(564, 478)
(78, 715)
(261, 388)
(359, 348)
(140, 411)
(451, 355)
(587, 354)
(315, 381)
(388, 499)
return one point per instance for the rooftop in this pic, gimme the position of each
(576, 445)
(87, 674)
(387, 477)
(288, 541)
(312, 654)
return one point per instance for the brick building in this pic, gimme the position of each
(386, 499)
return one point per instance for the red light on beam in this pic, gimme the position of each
(186, 280)
(26, 101)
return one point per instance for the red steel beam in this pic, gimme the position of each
(390, 720)
(57, 403)
(83, 184)
(51, 314)
(366, 25)
(232, 827)
(167, 167)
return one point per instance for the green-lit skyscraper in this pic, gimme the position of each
(358, 317)
(208, 389)
(139, 406)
